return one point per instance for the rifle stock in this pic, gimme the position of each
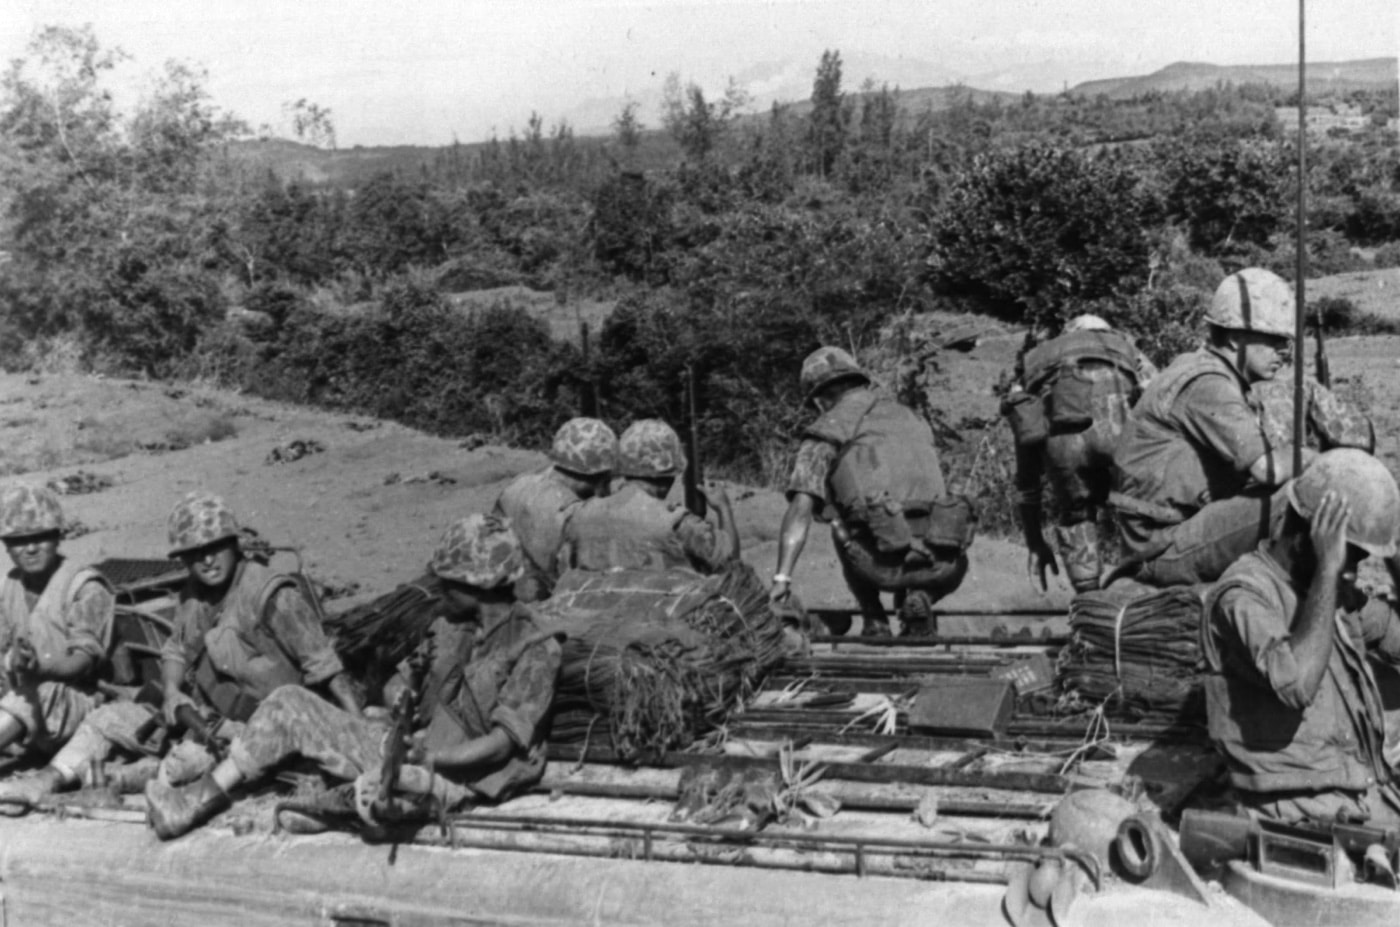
(694, 471)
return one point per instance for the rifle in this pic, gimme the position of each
(188, 717)
(401, 722)
(1298, 852)
(1324, 369)
(694, 475)
(589, 401)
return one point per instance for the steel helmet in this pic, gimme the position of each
(584, 446)
(29, 510)
(1089, 819)
(1367, 486)
(1254, 300)
(650, 448)
(825, 365)
(481, 551)
(198, 520)
(1087, 323)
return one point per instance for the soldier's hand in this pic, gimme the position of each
(1329, 533)
(1039, 558)
(417, 752)
(781, 592)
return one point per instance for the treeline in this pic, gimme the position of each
(731, 242)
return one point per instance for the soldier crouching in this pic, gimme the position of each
(486, 698)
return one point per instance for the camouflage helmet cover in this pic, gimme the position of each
(650, 449)
(825, 365)
(584, 446)
(1254, 300)
(198, 520)
(481, 551)
(29, 510)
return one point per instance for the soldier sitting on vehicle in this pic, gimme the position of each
(869, 466)
(538, 504)
(1329, 421)
(240, 631)
(634, 528)
(1196, 480)
(1291, 696)
(485, 699)
(1067, 412)
(55, 626)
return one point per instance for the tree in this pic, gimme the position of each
(697, 124)
(627, 128)
(830, 116)
(311, 123)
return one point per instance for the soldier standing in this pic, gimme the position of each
(868, 465)
(1067, 413)
(486, 699)
(634, 528)
(55, 626)
(538, 504)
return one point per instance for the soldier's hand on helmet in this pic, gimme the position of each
(1039, 558)
(1329, 532)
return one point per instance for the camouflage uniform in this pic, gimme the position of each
(1330, 420)
(632, 529)
(538, 504)
(502, 677)
(73, 614)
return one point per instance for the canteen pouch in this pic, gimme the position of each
(1025, 412)
(952, 523)
(1072, 400)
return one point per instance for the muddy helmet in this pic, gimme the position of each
(584, 446)
(481, 551)
(1087, 323)
(1254, 300)
(1365, 484)
(198, 520)
(650, 449)
(825, 365)
(29, 510)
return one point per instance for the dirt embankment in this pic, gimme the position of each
(366, 509)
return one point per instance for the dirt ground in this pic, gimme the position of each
(368, 508)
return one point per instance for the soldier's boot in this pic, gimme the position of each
(1079, 547)
(19, 795)
(173, 811)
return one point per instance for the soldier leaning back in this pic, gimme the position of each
(240, 631)
(486, 701)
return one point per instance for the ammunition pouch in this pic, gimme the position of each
(222, 694)
(949, 523)
(1025, 412)
(952, 522)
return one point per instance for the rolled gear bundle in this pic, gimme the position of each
(654, 659)
(1136, 650)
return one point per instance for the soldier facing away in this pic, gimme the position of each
(582, 458)
(1197, 482)
(1067, 413)
(486, 699)
(55, 626)
(634, 528)
(1291, 696)
(240, 631)
(868, 465)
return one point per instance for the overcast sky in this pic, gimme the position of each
(428, 71)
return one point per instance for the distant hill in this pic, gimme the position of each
(1323, 76)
